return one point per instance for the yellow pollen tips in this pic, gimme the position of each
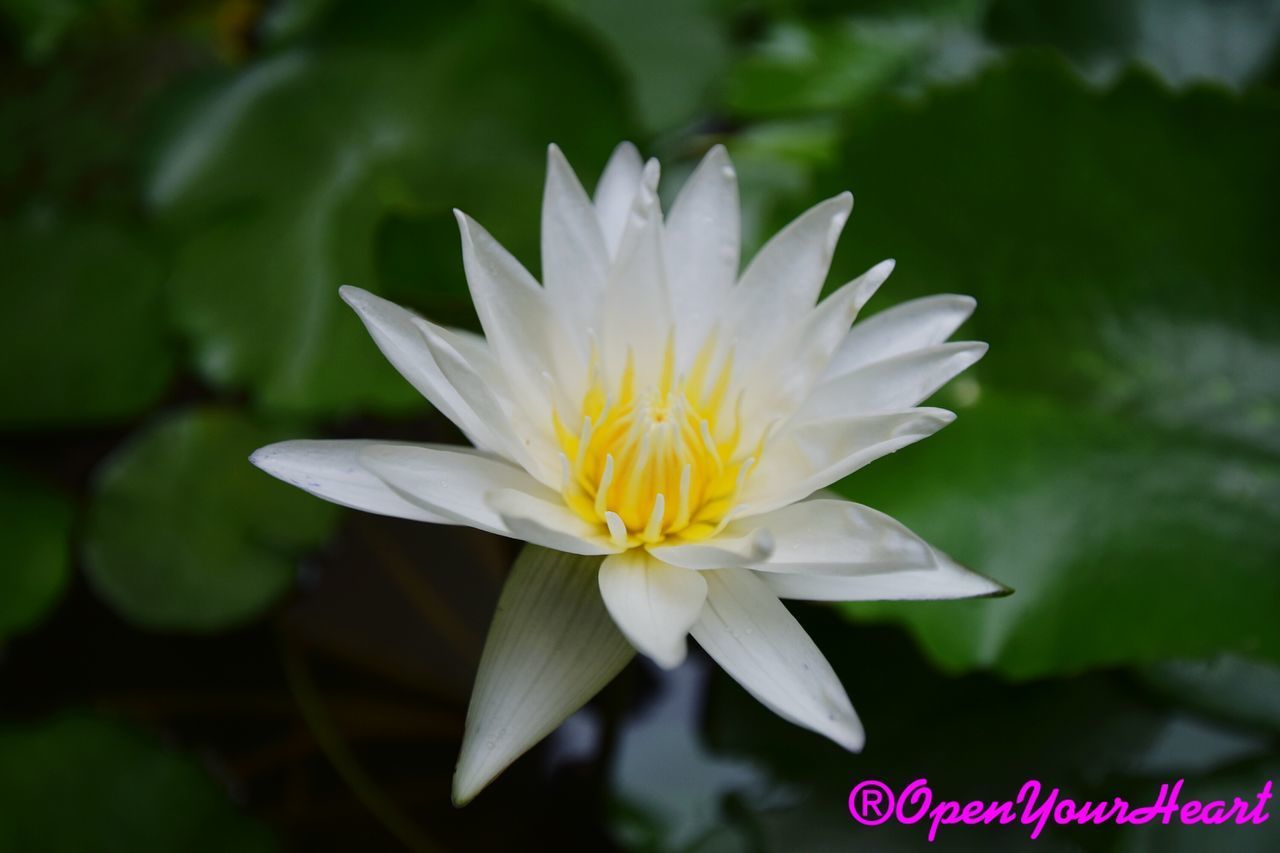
(654, 462)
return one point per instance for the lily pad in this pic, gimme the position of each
(80, 782)
(35, 525)
(184, 534)
(1116, 459)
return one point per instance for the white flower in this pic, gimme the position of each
(658, 428)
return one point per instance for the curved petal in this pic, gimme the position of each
(551, 647)
(458, 482)
(753, 637)
(332, 470)
(703, 238)
(615, 192)
(575, 260)
(550, 523)
(912, 325)
(893, 384)
(807, 457)
(783, 280)
(732, 547)
(396, 332)
(653, 603)
(945, 579)
(837, 537)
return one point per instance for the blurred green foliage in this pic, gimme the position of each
(184, 186)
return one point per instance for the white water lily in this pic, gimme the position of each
(658, 428)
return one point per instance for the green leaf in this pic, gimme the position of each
(35, 525)
(1235, 688)
(1121, 466)
(281, 186)
(78, 782)
(83, 330)
(184, 534)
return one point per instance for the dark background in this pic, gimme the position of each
(195, 657)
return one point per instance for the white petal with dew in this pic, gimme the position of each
(703, 239)
(551, 647)
(912, 325)
(837, 537)
(753, 637)
(741, 546)
(575, 260)
(810, 456)
(944, 580)
(458, 482)
(893, 384)
(332, 470)
(653, 603)
(616, 191)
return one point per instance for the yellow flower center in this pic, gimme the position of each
(660, 461)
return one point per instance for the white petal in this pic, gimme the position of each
(616, 191)
(526, 335)
(653, 603)
(809, 456)
(637, 304)
(537, 518)
(702, 246)
(893, 384)
(458, 482)
(484, 388)
(749, 632)
(912, 325)
(575, 260)
(945, 579)
(332, 470)
(837, 537)
(776, 386)
(396, 332)
(741, 546)
(551, 647)
(784, 279)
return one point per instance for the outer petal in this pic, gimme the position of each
(752, 636)
(703, 238)
(575, 259)
(332, 470)
(893, 384)
(616, 191)
(945, 579)
(912, 325)
(551, 647)
(813, 455)
(740, 546)
(837, 537)
(653, 603)
(397, 333)
(459, 483)
(784, 279)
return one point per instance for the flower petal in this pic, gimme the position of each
(653, 603)
(535, 518)
(732, 547)
(750, 633)
(396, 332)
(332, 470)
(912, 325)
(893, 384)
(836, 537)
(783, 280)
(616, 191)
(945, 579)
(702, 246)
(575, 260)
(458, 482)
(806, 457)
(551, 647)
